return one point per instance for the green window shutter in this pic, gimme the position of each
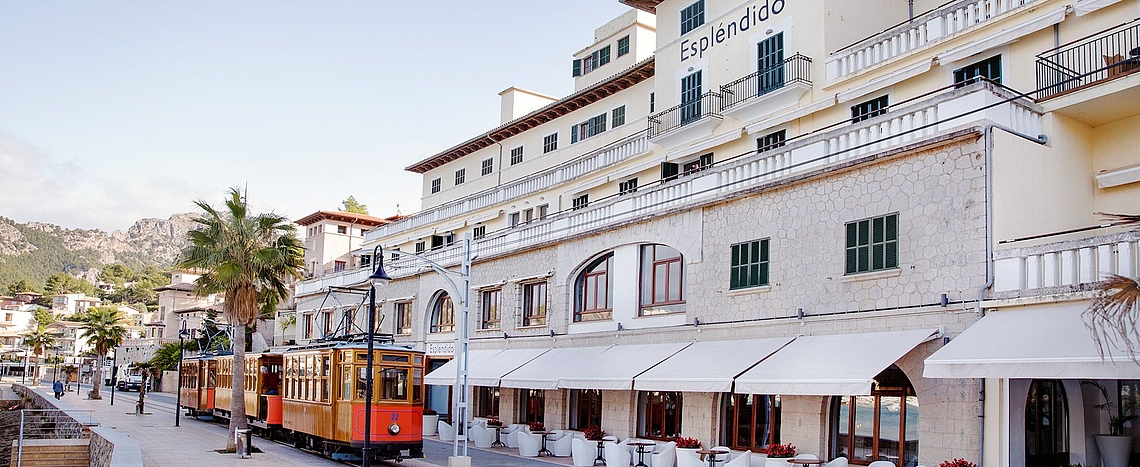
(604, 56)
(577, 67)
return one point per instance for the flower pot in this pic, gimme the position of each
(430, 423)
(781, 460)
(1114, 450)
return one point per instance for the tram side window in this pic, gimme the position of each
(346, 382)
(394, 384)
(325, 378)
(417, 384)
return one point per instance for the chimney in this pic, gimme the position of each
(517, 102)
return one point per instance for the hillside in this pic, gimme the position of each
(33, 251)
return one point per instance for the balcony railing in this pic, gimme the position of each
(607, 155)
(1069, 265)
(905, 123)
(707, 105)
(918, 33)
(795, 69)
(1102, 57)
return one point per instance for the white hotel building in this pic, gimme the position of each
(820, 222)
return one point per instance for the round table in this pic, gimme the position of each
(601, 452)
(543, 436)
(498, 436)
(641, 451)
(710, 455)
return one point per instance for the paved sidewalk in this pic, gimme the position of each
(194, 443)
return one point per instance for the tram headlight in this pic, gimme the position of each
(394, 429)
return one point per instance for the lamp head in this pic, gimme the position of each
(379, 277)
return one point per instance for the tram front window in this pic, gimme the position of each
(394, 384)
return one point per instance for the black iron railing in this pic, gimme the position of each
(794, 69)
(1100, 57)
(708, 105)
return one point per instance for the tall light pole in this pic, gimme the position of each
(378, 277)
(182, 333)
(461, 292)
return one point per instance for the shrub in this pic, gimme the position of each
(594, 433)
(957, 463)
(688, 443)
(782, 450)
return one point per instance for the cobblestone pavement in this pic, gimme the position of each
(194, 442)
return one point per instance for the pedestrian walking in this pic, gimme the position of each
(57, 386)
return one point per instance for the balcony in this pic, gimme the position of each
(1094, 80)
(687, 121)
(605, 156)
(906, 123)
(767, 90)
(919, 33)
(1068, 266)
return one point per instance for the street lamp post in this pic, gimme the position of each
(462, 385)
(379, 277)
(182, 333)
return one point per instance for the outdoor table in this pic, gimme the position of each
(543, 436)
(711, 454)
(601, 452)
(498, 436)
(806, 462)
(641, 445)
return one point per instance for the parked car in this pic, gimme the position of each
(130, 383)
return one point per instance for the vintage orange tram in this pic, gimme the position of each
(314, 395)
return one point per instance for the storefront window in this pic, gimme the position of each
(882, 426)
(751, 421)
(585, 408)
(532, 405)
(659, 414)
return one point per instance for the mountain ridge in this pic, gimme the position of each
(33, 250)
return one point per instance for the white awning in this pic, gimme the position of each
(707, 366)
(1031, 342)
(1084, 7)
(544, 371)
(616, 368)
(844, 364)
(484, 367)
(1004, 37)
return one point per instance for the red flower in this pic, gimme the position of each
(687, 443)
(957, 463)
(594, 433)
(781, 450)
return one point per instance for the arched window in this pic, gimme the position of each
(882, 426)
(593, 290)
(443, 314)
(1046, 425)
(662, 277)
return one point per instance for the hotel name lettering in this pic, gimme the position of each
(721, 32)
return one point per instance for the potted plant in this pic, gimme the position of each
(594, 433)
(781, 452)
(957, 463)
(1115, 448)
(431, 419)
(537, 426)
(687, 444)
(494, 422)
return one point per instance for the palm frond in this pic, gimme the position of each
(1112, 316)
(1121, 220)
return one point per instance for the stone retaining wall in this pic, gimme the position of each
(108, 447)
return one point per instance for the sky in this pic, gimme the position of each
(114, 111)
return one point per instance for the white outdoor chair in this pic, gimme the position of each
(558, 442)
(727, 453)
(882, 464)
(617, 455)
(664, 455)
(689, 459)
(742, 460)
(446, 432)
(837, 462)
(582, 452)
(481, 436)
(510, 434)
(529, 444)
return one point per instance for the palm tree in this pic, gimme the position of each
(246, 258)
(105, 328)
(1112, 316)
(38, 339)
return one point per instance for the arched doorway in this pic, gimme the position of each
(1046, 425)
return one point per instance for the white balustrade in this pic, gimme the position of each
(1071, 263)
(922, 31)
(606, 156)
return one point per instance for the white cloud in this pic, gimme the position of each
(37, 187)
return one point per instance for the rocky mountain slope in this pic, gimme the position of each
(34, 250)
